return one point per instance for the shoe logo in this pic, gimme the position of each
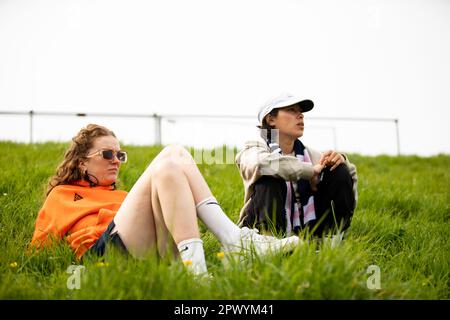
(77, 197)
(184, 249)
(212, 203)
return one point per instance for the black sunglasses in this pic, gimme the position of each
(109, 155)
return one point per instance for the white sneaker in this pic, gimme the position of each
(252, 242)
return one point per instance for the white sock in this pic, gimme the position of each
(212, 215)
(193, 255)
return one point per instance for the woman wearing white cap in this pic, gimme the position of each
(289, 187)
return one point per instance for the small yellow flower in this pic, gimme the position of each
(100, 264)
(187, 262)
(13, 264)
(220, 255)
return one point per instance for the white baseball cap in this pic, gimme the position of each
(281, 101)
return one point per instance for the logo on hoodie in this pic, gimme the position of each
(77, 197)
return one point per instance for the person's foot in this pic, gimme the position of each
(251, 241)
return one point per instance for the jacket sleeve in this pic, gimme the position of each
(352, 169)
(52, 221)
(255, 160)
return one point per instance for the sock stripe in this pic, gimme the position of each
(206, 201)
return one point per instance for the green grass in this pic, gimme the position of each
(401, 225)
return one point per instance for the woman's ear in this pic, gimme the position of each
(82, 166)
(270, 120)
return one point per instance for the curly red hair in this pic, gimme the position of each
(68, 170)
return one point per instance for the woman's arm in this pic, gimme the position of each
(50, 223)
(256, 160)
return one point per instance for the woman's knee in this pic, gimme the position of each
(174, 151)
(340, 175)
(177, 153)
(269, 183)
(166, 168)
(268, 187)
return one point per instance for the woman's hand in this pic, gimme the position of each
(331, 158)
(318, 169)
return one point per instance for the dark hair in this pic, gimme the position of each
(266, 126)
(68, 170)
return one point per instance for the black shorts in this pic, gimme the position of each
(107, 239)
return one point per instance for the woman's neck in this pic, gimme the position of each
(287, 144)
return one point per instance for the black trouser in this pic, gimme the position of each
(334, 198)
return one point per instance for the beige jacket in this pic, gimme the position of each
(256, 160)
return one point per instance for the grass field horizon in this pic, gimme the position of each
(401, 226)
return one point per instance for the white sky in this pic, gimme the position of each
(360, 58)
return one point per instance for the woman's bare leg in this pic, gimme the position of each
(159, 198)
(173, 204)
(208, 209)
(182, 157)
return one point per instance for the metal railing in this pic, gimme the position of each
(157, 118)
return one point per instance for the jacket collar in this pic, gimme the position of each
(84, 183)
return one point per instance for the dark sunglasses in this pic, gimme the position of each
(109, 155)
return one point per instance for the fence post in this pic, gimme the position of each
(157, 129)
(398, 137)
(334, 138)
(31, 126)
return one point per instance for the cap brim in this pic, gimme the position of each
(305, 105)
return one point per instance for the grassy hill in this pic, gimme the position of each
(401, 225)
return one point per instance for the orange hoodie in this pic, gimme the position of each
(78, 213)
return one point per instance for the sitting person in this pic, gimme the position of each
(290, 187)
(158, 214)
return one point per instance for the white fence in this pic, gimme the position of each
(200, 130)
